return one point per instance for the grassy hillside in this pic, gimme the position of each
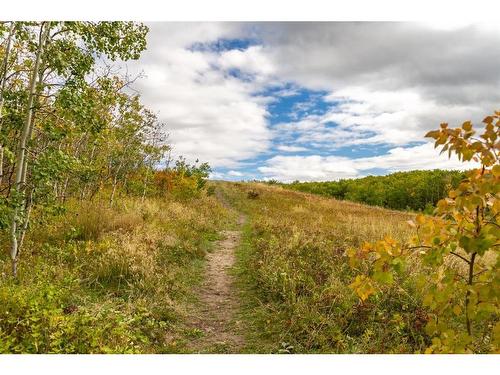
(123, 280)
(96, 279)
(295, 276)
(294, 260)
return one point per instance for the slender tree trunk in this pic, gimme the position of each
(112, 197)
(29, 205)
(21, 152)
(144, 187)
(467, 295)
(24, 170)
(64, 190)
(3, 80)
(115, 183)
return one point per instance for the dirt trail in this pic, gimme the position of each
(215, 316)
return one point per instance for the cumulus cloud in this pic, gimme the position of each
(390, 82)
(325, 168)
(209, 114)
(286, 148)
(235, 173)
(386, 56)
(360, 116)
(250, 60)
(382, 83)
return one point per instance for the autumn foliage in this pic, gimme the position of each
(184, 180)
(458, 247)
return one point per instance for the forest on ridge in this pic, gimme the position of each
(414, 190)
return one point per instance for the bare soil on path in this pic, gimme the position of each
(214, 317)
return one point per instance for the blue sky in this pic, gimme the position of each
(316, 101)
(291, 103)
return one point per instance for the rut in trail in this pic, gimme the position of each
(218, 305)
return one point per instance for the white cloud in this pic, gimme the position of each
(308, 168)
(365, 117)
(388, 83)
(393, 81)
(209, 115)
(396, 117)
(424, 156)
(327, 168)
(250, 60)
(235, 173)
(286, 148)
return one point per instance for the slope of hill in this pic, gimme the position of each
(295, 275)
(184, 275)
(109, 280)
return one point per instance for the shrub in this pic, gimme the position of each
(211, 190)
(253, 194)
(461, 296)
(182, 181)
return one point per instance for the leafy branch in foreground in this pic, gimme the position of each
(458, 246)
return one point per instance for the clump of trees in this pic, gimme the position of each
(68, 126)
(458, 247)
(182, 180)
(415, 190)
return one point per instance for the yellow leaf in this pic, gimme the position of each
(488, 120)
(442, 204)
(367, 247)
(496, 170)
(467, 126)
(363, 287)
(390, 241)
(433, 134)
(420, 219)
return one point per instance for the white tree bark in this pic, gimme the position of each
(3, 80)
(20, 180)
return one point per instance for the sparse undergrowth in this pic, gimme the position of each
(97, 280)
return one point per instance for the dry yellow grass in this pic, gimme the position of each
(109, 279)
(352, 222)
(295, 262)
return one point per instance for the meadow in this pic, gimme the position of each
(294, 259)
(108, 280)
(295, 275)
(124, 279)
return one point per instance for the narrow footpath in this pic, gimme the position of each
(215, 314)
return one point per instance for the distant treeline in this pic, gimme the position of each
(415, 190)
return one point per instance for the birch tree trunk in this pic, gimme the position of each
(145, 181)
(3, 80)
(115, 183)
(21, 165)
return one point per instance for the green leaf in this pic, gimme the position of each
(383, 277)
